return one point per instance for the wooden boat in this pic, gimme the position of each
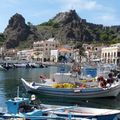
(87, 112)
(14, 110)
(48, 112)
(78, 92)
(45, 112)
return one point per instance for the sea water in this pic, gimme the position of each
(10, 80)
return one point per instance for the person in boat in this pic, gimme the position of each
(76, 68)
(110, 79)
(118, 76)
(35, 102)
(102, 82)
(24, 107)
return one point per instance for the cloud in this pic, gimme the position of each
(94, 10)
(81, 4)
(108, 17)
(12, 1)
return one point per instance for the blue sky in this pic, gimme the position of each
(106, 12)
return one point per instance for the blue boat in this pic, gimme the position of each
(56, 112)
(20, 107)
(13, 107)
(44, 113)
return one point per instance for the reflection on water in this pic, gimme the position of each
(9, 80)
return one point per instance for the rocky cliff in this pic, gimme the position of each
(68, 26)
(18, 31)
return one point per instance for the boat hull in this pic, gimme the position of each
(86, 112)
(73, 93)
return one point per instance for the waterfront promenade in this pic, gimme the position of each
(33, 61)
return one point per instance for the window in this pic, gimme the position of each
(105, 54)
(118, 54)
(118, 61)
(114, 54)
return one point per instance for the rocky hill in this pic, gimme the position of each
(18, 32)
(65, 27)
(68, 26)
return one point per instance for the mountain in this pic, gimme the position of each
(65, 26)
(18, 31)
(68, 26)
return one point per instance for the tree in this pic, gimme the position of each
(62, 58)
(81, 50)
(29, 24)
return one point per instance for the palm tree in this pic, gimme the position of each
(81, 50)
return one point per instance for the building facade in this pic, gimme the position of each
(24, 54)
(42, 49)
(111, 54)
(92, 52)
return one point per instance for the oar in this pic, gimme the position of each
(8, 116)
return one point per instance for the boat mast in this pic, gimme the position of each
(18, 92)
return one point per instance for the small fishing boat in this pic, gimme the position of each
(88, 112)
(51, 112)
(50, 88)
(5, 67)
(28, 112)
(20, 107)
(2, 68)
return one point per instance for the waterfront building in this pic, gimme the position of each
(67, 53)
(42, 49)
(54, 56)
(2, 51)
(25, 54)
(111, 54)
(10, 54)
(93, 52)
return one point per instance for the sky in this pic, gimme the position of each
(106, 12)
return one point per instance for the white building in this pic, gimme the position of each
(24, 54)
(42, 49)
(111, 54)
(54, 56)
(68, 54)
(92, 52)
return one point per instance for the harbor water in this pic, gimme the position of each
(10, 80)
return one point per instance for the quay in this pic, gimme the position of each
(33, 61)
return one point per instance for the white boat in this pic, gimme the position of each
(20, 65)
(77, 92)
(2, 68)
(85, 112)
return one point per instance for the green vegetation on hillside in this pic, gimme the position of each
(50, 23)
(2, 39)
